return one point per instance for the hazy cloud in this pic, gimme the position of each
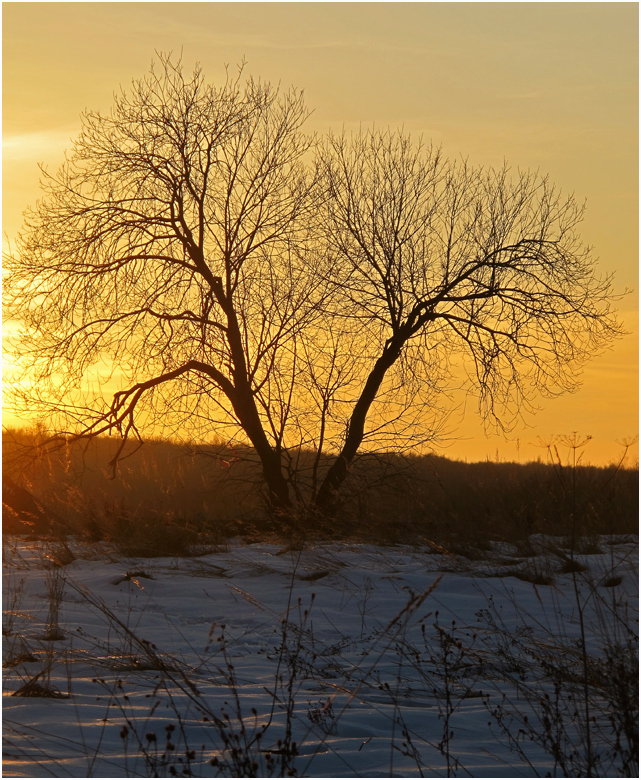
(40, 145)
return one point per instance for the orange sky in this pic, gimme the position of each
(548, 86)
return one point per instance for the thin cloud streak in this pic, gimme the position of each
(26, 146)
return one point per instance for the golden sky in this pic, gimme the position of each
(546, 86)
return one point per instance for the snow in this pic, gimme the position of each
(346, 634)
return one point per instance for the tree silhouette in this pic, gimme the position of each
(199, 261)
(168, 246)
(438, 259)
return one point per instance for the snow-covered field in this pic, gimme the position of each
(375, 661)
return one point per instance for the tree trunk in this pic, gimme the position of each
(247, 414)
(244, 402)
(338, 471)
(277, 484)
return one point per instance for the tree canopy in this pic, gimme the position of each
(200, 261)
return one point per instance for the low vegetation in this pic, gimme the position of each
(172, 498)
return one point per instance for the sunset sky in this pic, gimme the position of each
(546, 86)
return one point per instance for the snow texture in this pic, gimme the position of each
(380, 658)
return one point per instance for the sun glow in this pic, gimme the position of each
(515, 81)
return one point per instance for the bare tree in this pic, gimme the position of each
(438, 259)
(168, 251)
(194, 263)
